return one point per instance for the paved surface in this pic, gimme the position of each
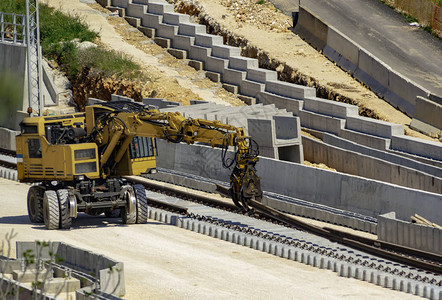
(383, 32)
(166, 262)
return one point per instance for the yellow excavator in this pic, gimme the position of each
(77, 161)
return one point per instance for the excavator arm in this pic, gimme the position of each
(114, 129)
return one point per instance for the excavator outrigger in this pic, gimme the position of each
(78, 160)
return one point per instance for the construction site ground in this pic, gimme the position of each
(166, 262)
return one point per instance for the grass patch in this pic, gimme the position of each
(261, 2)
(57, 33)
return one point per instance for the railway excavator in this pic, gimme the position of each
(77, 162)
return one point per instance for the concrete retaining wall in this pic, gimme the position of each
(392, 230)
(360, 195)
(393, 87)
(354, 163)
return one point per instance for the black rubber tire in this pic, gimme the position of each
(116, 213)
(51, 210)
(142, 206)
(65, 219)
(35, 204)
(127, 217)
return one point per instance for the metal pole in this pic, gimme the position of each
(28, 48)
(40, 73)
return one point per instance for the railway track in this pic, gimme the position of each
(348, 254)
(415, 258)
(8, 159)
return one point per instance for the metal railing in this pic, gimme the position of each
(12, 28)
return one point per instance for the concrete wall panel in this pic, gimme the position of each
(429, 112)
(291, 105)
(374, 127)
(173, 18)
(343, 45)
(312, 28)
(331, 108)
(372, 72)
(334, 189)
(289, 89)
(429, 149)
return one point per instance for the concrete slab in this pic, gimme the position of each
(289, 89)
(368, 140)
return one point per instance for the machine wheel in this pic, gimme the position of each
(113, 213)
(142, 207)
(129, 212)
(65, 218)
(35, 204)
(51, 210)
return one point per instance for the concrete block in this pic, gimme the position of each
(7, 138)
(199, 53)
(329, 107)
(232, 76)
(191, 29)
(196, 102)
(183, 42)
(289, 89)
(374, 127)
(321, 122)
(104, 3)
(120, 3)
(230, 88)
(425, 128)
(261, 75)
(180, 54)
(174, 18)
(216, 64)
(421, 147)
(197, 65)
(251, 88)
(291, 105)
(162, 42)
(167, 31)
(145, 2)
(160, 8)
(225, 51)
(135, 22)
(151, 20)
(149, 32)
(311, 28)
(208, 40)
(215, 77)
(136, 10)
(243, 63)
